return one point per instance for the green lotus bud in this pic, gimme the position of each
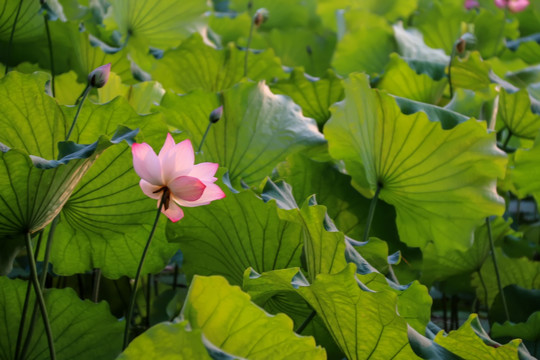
(260, 17)
(216, 114)
(466, 42)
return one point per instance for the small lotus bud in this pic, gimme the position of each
(466, 42)
(216, 114)
(260, 17)
(98, 77)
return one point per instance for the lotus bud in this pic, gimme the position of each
(260, 17)
(98, 77)
(216, 114)
(466, 42)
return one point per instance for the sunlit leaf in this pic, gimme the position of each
(257, 129)
(416, 164)
(231, 322)
(529, 331)
(515, 112)
(526, 173)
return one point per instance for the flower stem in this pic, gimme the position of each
(83, 97)
(247, 47)
(204, 137)
(485, 289)
(25, 306)
(452, 56)
(12, 34)
(49, 43)
(371, 212)
(97, 282)
(46, 258)
(497, 275)
(139, 269)
(40, 298)
(306, 322)
(507, 140)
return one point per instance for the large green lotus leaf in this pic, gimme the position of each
(314, 95)
(491, 30)
(282, 14)
(29, 23)
(230, 27)
(160, 25)
(442, 33)
(446, 116)
(365, 324)
(515, 112)
(455, 262)
(366, 48)
(529, 331)
(67, 88)
(273, 290)
(525, 173)
(345, 206)
(470, 342)
(81, 329)
(522, 272)
(237, 232)
(196, 65)
(257, 129)
(172, 341)
(399, 79)
(84, 53)
(529, 52)
(467, 103)
(141, 96)
(30, 119)
(471, 72)
(390, 10)
(524, 76)
(230, 321)
(311, 49)
(442, 182)
(413, 49)
(106, 221)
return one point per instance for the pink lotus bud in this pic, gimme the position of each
(512, 5)
(471, 4)
(216, 115)
(98, 77)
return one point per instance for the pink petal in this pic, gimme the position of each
(205, 171)
(211, 193)
(178, 161)
(174, 212)
(168, 145)
(149, 189)
(146, 163)
(186, 188)
(518, 5)
(501, 3)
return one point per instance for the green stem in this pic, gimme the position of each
(371, 213)
(97, 282)
(84, 95)
(46, 258)
(507, 140)
(247, 46)
(139, 269)
(306, 322)
(452, 56)
(40, 298)
(485, 289)
(497, 275)
(25, 306)
(148, 299)
(49, 43)
(204, 137)
(12, 34)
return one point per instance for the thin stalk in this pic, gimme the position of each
(247, 46)
(49, 43)
(25, 306)
(371, 212)
(46, 258)
(204, 137)
(497, 275)
(40, 298)
(97, 282)
(148, 299)
(84, 95)
(175, 275)
(485, 289)
(139, 269)
(445, 312)
(507, 140)
(306, 322)
(452, 56)
(12, 34)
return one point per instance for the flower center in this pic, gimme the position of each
(166, 197)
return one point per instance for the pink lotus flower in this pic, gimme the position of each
(512, 5)
(470, 4)
(172, 173)
(99, 76)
